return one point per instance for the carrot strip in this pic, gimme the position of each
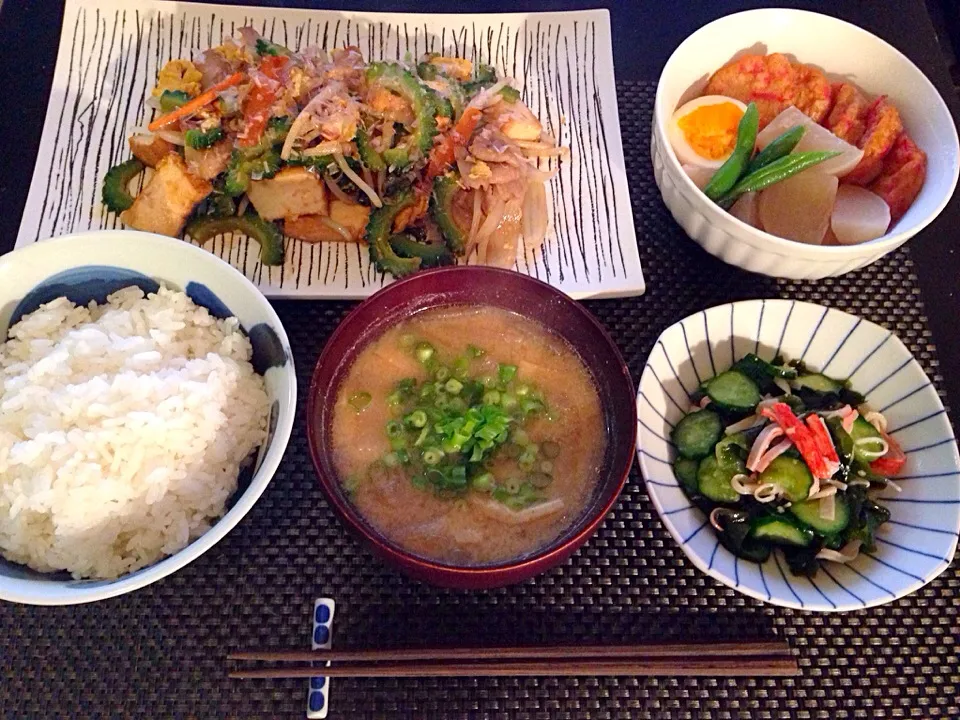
(204, 98)
(444, 152)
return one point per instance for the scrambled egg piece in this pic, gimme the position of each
(178, 75)
(480, 171)
(233, 53)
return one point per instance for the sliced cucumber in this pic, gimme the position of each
(686, 471)
(818, 383)
(868, 444)
(781, 532)
(808, 513)
(697, 433)
(732, 390)
(792, 475)
(713, 479)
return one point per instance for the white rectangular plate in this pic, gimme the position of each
(110, 52)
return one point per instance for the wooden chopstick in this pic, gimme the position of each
(675, 667)
(666, 650)
(771, 659)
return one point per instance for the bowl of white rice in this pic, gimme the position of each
(148, 394)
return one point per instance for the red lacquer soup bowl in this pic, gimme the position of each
(500, 289)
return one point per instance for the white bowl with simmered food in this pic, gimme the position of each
(148, 393)
(842, 52)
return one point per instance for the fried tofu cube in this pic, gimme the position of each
(167, 199)
(458, 68)
(210, 162)
(150, 149)
(292, 192)
(314, 228)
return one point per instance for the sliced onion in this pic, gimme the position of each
(773, 453)
(475, 220)
(745, 424)
(768, 492)
(171, 136)
(243, 205)
(882, 445)
(337, 228)
(762, 444)
(823, 493)
(847, 553)
(743, 488)
(336, 190)
(783, 385)
(877, 420)
(328, 147)
(493, 218)
(358, 181)
(840, 413)
(535, 218)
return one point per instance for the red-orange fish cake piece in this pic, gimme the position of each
(883, 126)
(812, 94)
(902, 177)
(767, 80)
(847, 119)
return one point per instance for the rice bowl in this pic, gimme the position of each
(123, 430)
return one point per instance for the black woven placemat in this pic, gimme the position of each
(159, 652)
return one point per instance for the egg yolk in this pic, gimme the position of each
(711, 130)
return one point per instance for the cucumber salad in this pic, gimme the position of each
(778, 455)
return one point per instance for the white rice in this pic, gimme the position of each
(123, 428)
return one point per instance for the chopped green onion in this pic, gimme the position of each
(507, 372)
(442, 373)
(391, 460)
(520, 437)
(453, 386)
(476, 352)
(461, 368)
(550, 449)
(491, 397)
(360, 400)
(432, 456)
(512, 485)
(398, 443)
(394, 399)
(508, 401)
(488, 381)
(417, 419)
(424, 352)
(394, 429)
(540, 479)
(482, 482)
(522, 391)
(407, 341)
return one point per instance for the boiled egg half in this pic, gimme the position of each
(703, 132)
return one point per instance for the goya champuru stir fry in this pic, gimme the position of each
(426, 162)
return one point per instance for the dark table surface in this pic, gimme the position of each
(142, 632)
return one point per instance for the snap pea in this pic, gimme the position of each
(782, 145)
(775, 172)
(728, 174)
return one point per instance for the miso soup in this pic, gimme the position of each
(469, 435)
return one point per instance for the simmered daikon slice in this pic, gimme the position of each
(858, 215)
(799, 208)
(814, 138)
(700, 175)
(745, 208)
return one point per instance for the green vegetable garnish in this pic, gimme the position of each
(252, 225)
(203, 139)
(170, 100)
(447, 430)
(777, 171)
(781, 146)
(728, 174)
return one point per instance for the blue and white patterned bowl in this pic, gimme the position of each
(92, 265)
(921, 538)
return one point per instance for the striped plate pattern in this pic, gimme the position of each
(920, 540)
(110, 52)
